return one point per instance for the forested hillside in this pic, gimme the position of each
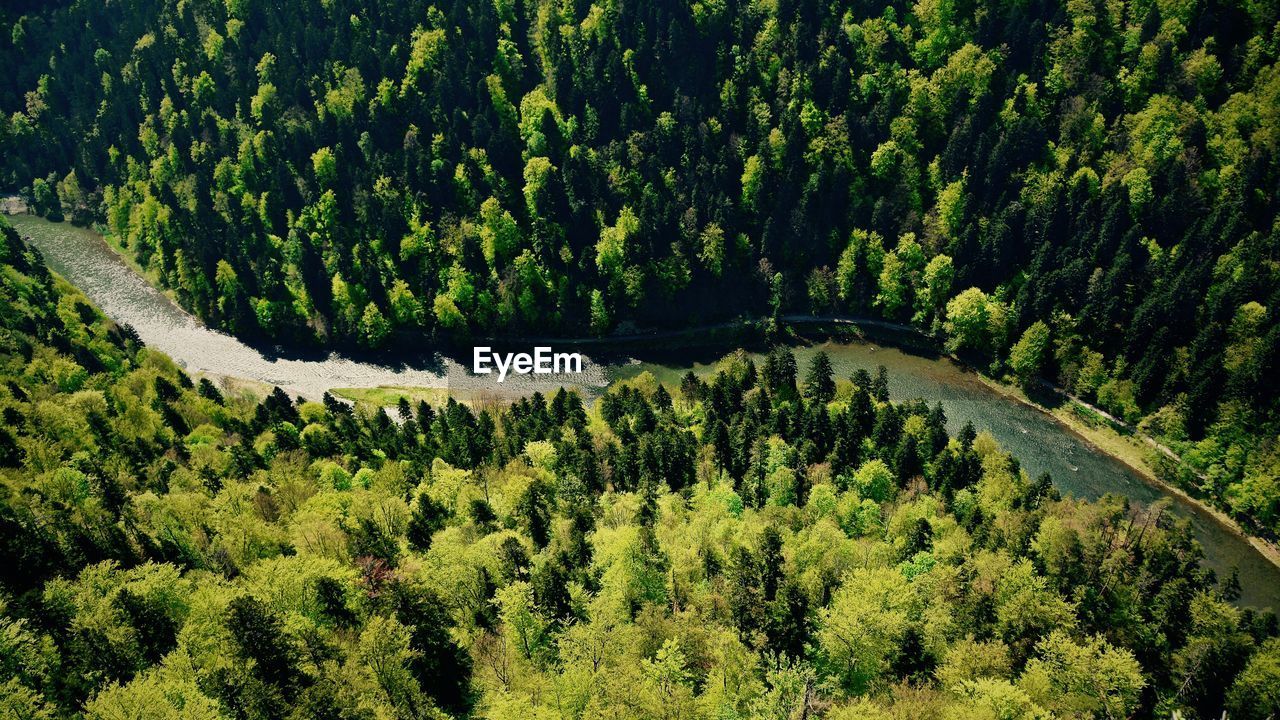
(755, 546)
(1083, 190)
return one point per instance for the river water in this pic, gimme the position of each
(1036, 439)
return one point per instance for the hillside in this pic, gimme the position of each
(1082, 190)
(761, 545)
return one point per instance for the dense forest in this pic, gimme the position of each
(769, 543)
(1083, 191)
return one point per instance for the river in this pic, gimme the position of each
(1039, 442)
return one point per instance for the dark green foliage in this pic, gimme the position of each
(779, 373)
(819, 382)
(259, 638)
(157, 631)
(355, 567)
(442, 669)
(428, 517)
(550, 590)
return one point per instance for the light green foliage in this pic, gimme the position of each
(1091, 678)
(1256, 691)
(974, 321)
(1028, 355)
(1156, 132)
(859, 516)
(451, 307)
(938, 276)
(374, 328)
(968, 660)
(383, 651)
(405, 308)
(523, 629)
(874, 481)
(712, 252)
(264, 106)
(325, 167)
(782, 486)
(499, 234)
(894, 285)
(900, 276)
(860, 709)
(951, 208)
(537, 174)
(424, 58)
(860, 630)
(752, 181)
(344, 95)
(611, 249)
(158, 695)
(1138, 182)
(995, 698)
(885, 159)
(535, 109)
(600, 320)
(1243, 355)
(629, 578)
(1119, 398)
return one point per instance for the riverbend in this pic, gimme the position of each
(1037, 439)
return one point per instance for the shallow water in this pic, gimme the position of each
(1039, 442)
(83, 258)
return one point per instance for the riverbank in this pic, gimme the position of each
(1124, 449)
(1103, 437)
(12, 205)
(1082, 464)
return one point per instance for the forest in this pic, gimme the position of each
(1079, 191)
(1082, 193)
(772, 542)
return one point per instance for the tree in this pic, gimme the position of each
(525, 630)
(374, 328)
(712, 252)
(1255, 694)
(599, 313)
(325, 167)
(860, 631)
(385, 653)
(821, 286)
(442, 669)
(752, 182)
(938, 276)
(1027, 357)
(1244, 354)
(405, 308)
(499, 235)
(899, 276)
(1091, 678)
(874, 481)
(969, 320)
(157, 695)
(894, 286)
(780, 372)
(819, 384)
(259, 637)
(996, 697)
(951, 207)
(668, 672)
(427, 519)
(611, 249)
